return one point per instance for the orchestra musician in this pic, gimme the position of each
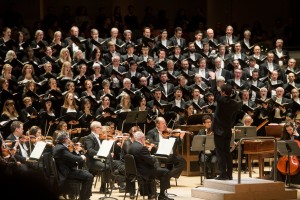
(67, 166)
(145, 164)
(208, 157)
(174, 162)
(289, 133)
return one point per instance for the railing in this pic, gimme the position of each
(240, 155)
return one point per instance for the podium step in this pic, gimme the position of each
(247, 184)
(249, 189)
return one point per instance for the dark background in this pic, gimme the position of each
(277, 18)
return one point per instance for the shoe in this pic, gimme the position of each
(164, 198)
(121, 190)
(152, 196)
(104, 192)
(131, 196)
(221, 177)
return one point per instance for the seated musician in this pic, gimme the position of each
(145, 164)
(67, 166)
(209, 158)
(289, 133)
(175, 163)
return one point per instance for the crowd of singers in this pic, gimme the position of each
(73, 83)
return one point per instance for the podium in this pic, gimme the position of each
(192, 167)
(288, 148)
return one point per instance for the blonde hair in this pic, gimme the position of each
(66, 103)
(5, 109)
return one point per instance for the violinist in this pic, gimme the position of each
(92, 145)
(175, 163)
(208, 157)
(7, 167)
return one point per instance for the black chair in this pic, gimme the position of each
(70, 187)
(132, 174)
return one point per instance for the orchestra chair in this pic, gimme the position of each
(132, 174)
(70, 187)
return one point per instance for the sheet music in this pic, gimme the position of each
(38, 150)
(165, 146)
(105, 148)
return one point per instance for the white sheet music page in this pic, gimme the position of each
(165, 146)
(38, 150)
(105, 148)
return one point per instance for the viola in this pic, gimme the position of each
(293, 164)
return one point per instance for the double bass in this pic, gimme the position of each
(291, 168)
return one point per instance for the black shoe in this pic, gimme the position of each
(222, 177)
(104, 191)
(151, 196)
(160, 197)
(131, 196)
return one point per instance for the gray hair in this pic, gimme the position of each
(220, 78)
(138, 136)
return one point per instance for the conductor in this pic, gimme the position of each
(223, 120)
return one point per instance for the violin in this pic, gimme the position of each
(173, 133)
(76, 147)
(7, 151)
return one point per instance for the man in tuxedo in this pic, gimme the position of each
(229, 38)
(281, 55)
(72, 46)
(67, 164)
(146, 167)
(223, 121)
(90, 46)
(92, 145)
(177, 39)
(175, 163)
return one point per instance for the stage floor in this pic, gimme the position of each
(183, 188)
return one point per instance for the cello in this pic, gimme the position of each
(291, 168)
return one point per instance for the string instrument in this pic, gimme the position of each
(6, 151)
(262, 124)
(76, 146)
(173, 133)
(293, 168)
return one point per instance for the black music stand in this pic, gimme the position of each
(244, 132)
(203, 143)
(288, 148)
(136, 117)
(104, 153)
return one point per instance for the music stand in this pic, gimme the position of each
(136, 117)
(104, 153)
(203, 143)
(288, 148)
(244, 132)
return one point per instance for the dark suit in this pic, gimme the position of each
(223, 121)
(89, 47)
(145, 165)
(66, 163)
(182, 42)
(177, 163)
(223, 39)
(92, 146)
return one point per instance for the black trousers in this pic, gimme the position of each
(224, 157)
(86, 180)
